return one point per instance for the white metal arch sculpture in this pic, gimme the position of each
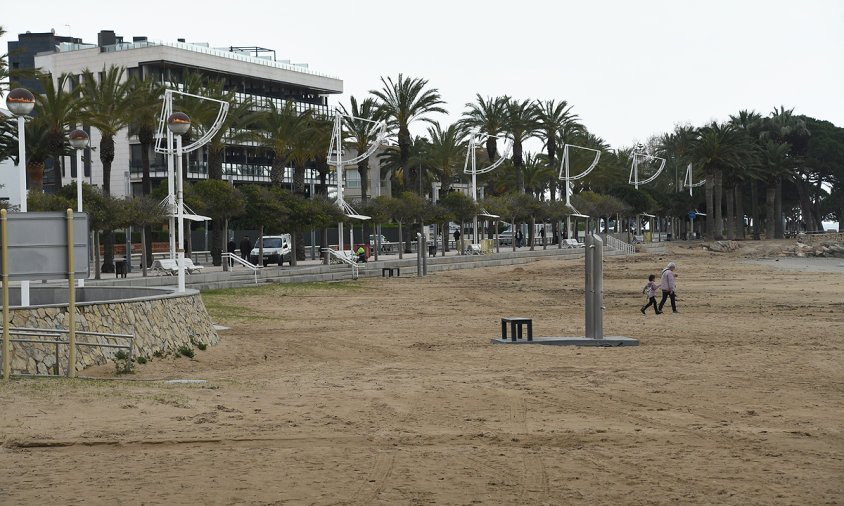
(687, 181)
(640, 154)
(164, 145)
(470, 166)
(565, 168)
(378, 132)
(174, 202)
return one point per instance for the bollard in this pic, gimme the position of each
(419, 272)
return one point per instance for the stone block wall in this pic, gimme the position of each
(161, 325)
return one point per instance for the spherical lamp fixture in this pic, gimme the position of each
(78, 139)
(20, 101)
(179, 123)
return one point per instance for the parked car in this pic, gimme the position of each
(276, 247)
(505, 237)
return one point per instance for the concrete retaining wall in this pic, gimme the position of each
(162, 322)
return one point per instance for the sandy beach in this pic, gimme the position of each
(388, 391)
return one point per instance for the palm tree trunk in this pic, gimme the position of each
(770, 197)
(739, 218)
(277, 170)
(731, 218)
(709, 187)
(754, 209)
(718, 221)
(517, 165)
(779, 231)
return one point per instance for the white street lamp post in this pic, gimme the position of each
(20, 102)
(79, 141)
(179, 123)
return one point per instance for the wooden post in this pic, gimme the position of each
(71, 299)
(4, 236)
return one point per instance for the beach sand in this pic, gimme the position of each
(387, 391)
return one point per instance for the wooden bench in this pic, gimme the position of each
(516, 323)
(385, 270)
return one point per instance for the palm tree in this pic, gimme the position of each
(401, 103)
(282, 125)
(445, 154)
(749, 123)
(105, 105)
(717, 148)
(360, 128)
(520, 126)
(487, 116)
(236, 126)
(783, 127)
(145, 96)
(56, 109)
(552, 118)
(538, 175)
(774, 165)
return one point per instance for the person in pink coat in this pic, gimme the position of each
(668, 284)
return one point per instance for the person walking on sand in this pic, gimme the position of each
(668, 284)
(650, 291)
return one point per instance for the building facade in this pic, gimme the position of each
(251, 72)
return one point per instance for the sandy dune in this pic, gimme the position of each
(387, 391)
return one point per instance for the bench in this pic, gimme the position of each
(473, 249)
(516, 323)
(572, 243)
(385, 270)
(192, 268)
(165, 267)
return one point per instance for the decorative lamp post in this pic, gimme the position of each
(179, 123)
(20, 102)
(78, 140)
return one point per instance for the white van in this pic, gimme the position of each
(276, 247)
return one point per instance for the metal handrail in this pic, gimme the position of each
(56, 333)
(241, 261)
(620, 245)
(342, 257)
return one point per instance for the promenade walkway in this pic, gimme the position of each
(213, 277)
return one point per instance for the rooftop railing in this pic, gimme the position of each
(128, 46)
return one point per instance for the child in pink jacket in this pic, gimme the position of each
(650, 291)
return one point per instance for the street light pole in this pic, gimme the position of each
(179, 123)
(20, 102)
(79, 141)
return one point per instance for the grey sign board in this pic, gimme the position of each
(37, 245)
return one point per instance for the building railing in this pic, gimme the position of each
(127, 46)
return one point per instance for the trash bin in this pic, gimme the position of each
(668, 236)
(432, 250)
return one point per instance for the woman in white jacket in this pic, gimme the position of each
(668, 284)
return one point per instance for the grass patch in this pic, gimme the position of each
(227, 304)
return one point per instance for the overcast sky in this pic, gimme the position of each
(630, 69)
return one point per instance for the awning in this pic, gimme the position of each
(359, 217)
(192, 217)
